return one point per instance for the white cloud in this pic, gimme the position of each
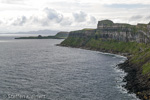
(26, 15)
(12, 1)
(20, 21)
(137, 17)
(66, 22)
(80, 16)
(53, 15)
(92, 20)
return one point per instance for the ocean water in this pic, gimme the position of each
(40, 70)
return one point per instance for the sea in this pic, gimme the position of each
(38, 69)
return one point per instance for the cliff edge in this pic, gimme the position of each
(132, 41)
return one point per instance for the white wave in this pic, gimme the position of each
(134, 96)
(120, 82)
(120, 56)
(122, 89)
(115, 55)
(122, 61)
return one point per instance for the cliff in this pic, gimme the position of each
(122, 32)
(132, 41)
(62, 34)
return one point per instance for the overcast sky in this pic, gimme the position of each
(67, 15)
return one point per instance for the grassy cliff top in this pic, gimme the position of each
(108, 22)
(62, 34)
(87, 29)
(138, 63)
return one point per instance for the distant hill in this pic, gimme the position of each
(59, 35)
(39, 32)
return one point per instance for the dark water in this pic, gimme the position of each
(39, 70)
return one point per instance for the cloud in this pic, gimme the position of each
(124, 2)
(47, 17)
(127, 6)
(66, 22)
(80, 16)
(67, 15)
(20, 21)
(53, 15)
(139, 19)
(135, 18)
(147, 17)
(53, 19)
(12, 1)
(92, 20)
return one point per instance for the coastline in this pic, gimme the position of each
(132, 72)
(131, 41)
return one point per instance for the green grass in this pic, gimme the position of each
(87, 29)
(124, 47)
(140, 52)
(146, 68)
(74, 42)
(62, 35)
(108, 22)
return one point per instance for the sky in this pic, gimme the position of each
(68, 15)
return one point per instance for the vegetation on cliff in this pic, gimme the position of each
(138, 58)
(131, 41)
(62, 35)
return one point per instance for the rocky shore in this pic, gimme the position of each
(132, 41)
(135, 81)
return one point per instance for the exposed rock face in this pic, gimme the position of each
(138, 64)
(83, 33)
(106, 29)
(122, 32)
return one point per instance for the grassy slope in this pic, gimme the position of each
(63, 35)
(138, 79)
(137, 65)
(140, 52)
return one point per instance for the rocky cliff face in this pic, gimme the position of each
(134, 43)
(123, 32)
(106, 29)
(83, 33)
